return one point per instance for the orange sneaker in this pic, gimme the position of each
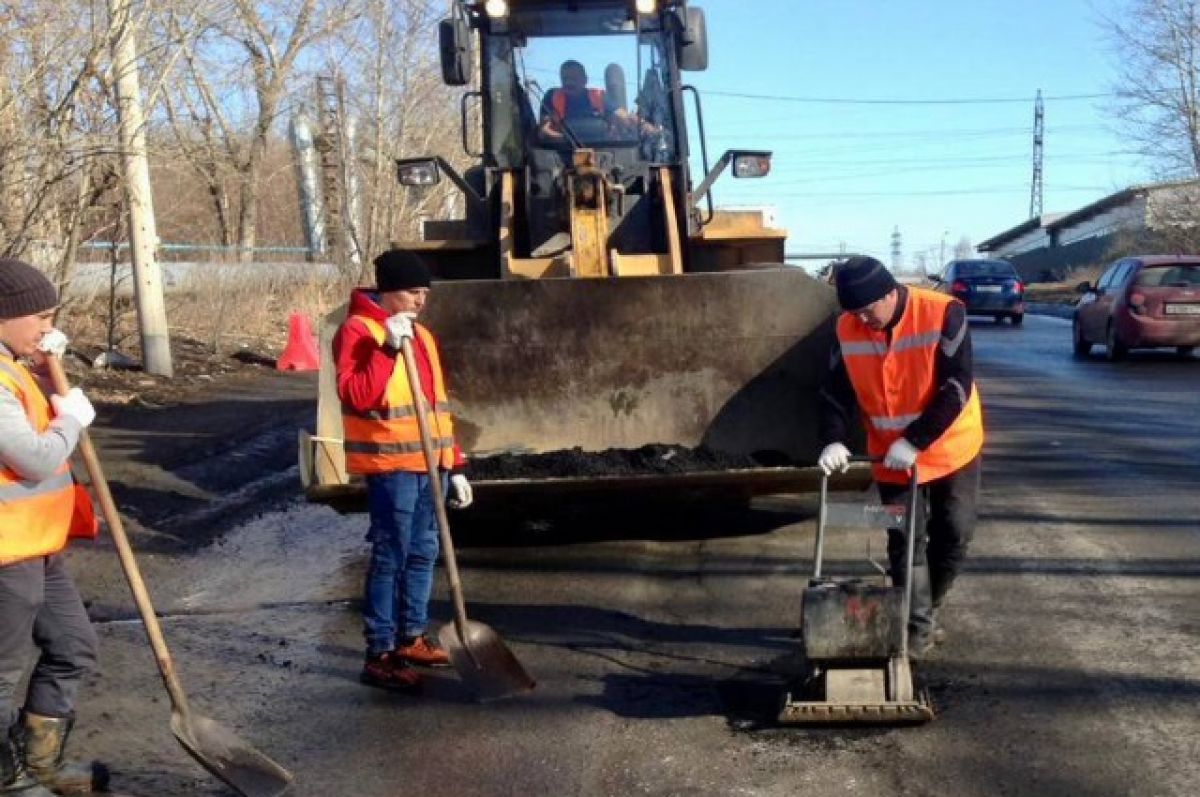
(386, 671)
(423, 653)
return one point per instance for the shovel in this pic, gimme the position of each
(246, 770)
(482, 660)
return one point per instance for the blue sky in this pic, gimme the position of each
(846, 173)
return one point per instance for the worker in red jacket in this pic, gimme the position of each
(41, 615)
(383, 444)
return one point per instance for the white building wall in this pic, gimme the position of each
(1129, 216)
(1034, 239)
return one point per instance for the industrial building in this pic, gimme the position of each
(1143, 218)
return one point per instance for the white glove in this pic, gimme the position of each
(902, 455)
(53, 342)
(834, 456)
(399, 326)
(74, 405)
(463, 496)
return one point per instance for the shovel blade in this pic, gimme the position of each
(221, 752)
(484, 662)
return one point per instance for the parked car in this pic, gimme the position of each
(1140, 302)
(986, 287)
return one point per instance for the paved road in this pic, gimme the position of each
(1073, 665)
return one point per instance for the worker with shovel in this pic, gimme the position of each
(383, 443)
(39, 605)
(902, 361)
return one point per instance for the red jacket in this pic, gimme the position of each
(364, 368)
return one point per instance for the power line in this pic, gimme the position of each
(874, 101)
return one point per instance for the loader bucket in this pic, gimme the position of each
(731, 361)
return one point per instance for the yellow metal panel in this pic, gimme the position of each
(539, 267)
(640, 265)
(589, 224)
(507, 216)
(727, 224)
(672, 220)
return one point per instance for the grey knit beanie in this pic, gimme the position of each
(24, 290)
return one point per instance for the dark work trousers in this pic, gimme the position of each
(40, 608)
(946, 513)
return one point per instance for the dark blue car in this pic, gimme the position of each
(986, 287)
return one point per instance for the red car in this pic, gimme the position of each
(1141, 302)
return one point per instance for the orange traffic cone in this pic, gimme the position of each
(301, 353)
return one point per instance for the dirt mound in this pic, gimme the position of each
(649, 459)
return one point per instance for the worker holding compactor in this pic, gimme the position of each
(902, 362)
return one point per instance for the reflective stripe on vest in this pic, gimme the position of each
(559, 101)
(35, 516)
(387, 438)
(894, 384)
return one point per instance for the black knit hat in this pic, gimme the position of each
(400, 270)
(861, 281)
(24, 290)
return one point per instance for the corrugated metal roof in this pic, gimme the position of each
(1055, 221)
(996, 241)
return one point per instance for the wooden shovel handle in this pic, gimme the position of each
(435, 489)
(129, 564)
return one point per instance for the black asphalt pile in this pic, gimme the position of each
(647, 460)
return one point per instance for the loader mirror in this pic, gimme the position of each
(454, 44)
(751, 164)
(693, 41)
(418, 172)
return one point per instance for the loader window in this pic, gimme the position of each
(604, 92)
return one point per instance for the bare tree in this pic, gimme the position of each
(964, 249)
(55, 124)
(224, 113)
(1157, 49)
(395, 88)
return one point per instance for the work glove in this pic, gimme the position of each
(53, 342)
(834, 456)
(399, 326)
(902, 455)
(74, 405)
(463, 496)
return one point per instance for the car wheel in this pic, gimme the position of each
(1081, 346)
(1116, 349)
(1184, 352)
(1016, 319)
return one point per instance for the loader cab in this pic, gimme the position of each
(630, 113)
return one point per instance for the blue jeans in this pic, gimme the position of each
(404, 549)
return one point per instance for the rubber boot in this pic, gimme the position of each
(921, 617)
(45, 745)
(14, 776)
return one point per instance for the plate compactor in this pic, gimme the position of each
(856, 669)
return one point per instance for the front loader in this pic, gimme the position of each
(591, 297)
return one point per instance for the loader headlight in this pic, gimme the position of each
(496, 8)
(645, 6)
(417, 172)
(751, 164)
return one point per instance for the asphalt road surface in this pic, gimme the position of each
(660, 637)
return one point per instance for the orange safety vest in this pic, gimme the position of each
(559, 101)
(387, 438)
(894, 384)
(35, 517)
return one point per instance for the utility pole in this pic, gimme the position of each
(1039, 129)
(143, 233)
(896, 250)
